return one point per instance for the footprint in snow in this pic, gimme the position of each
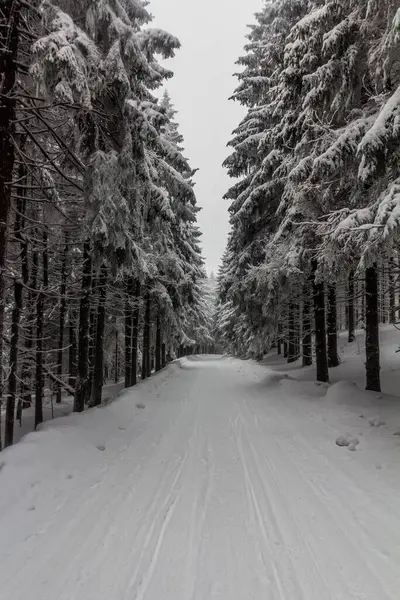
(101, 447)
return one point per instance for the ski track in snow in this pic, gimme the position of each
(221, 487)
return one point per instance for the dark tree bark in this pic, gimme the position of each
(350, 309)
(392, 292)
(94, 301)
(18, 229)
(146, 350)
(99, 345)
(307, 335)
(333, 357)
(279, 339)
(320, 328)
(163, 356)
(372, 364)
(128, 330)
(149, 359)
(27, 370)
(39, 359)
(13, 377)
(83, 346)
(158, 344)
(72, 366)
(285, 349)
(11, 13)
(116, 358)
(135, 334)
(292, 334)
(61, 324)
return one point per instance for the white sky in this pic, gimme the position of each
(212, 34)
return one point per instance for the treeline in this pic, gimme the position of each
(101, 269)
(316, 208)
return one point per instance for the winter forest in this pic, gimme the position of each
(101, 269)
(199, 299)
(314, 210)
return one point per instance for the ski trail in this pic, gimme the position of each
(220, 489)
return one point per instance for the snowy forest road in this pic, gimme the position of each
(216, 486)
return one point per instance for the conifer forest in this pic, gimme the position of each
(199, 299)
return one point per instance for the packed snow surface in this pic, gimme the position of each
(215, 479)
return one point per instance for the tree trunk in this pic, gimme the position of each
(146, 364)
(279, 339)
(135, 334)
(128, 330)
(149, 359)
(94, 301)
(116, 371)
(84, 318)
(39, 359)
(392, 292)
(99, 345)
(333, 357)
(372, 330)
(307, 335)
(320, 329)
(292, 334)
(61, 325)
(158, 344)
(163, 356)
(18, 231)
(350, 309)
(13, 378)
(11, 12)
(72, 370)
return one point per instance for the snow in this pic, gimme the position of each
(227, 484)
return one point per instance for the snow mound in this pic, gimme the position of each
(376, 422)
(346, 393)
(349, 440)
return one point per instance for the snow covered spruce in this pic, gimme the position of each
(100, 263)
(315, 210)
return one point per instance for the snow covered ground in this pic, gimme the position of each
(215, 479)
(52, 410)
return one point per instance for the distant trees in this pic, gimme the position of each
(100, 263)
(318, 167)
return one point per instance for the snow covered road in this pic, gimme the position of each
(217, 485)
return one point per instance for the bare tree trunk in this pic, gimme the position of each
(72, 348)
(163, 356)
(307, 335)
(84, 318)
(320, 329)
(146, 365)
(61, 325)
(158, 344)
(372, 364)
(39, 359)
(12, 382)
(94, 301)
(128, 331)
(11, 12)
(135, 334)
(116, 358)
(292, 334)
(350, 309)
(392, 292)
(99, 346)
(333, 357)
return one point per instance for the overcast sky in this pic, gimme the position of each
(212, 34)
